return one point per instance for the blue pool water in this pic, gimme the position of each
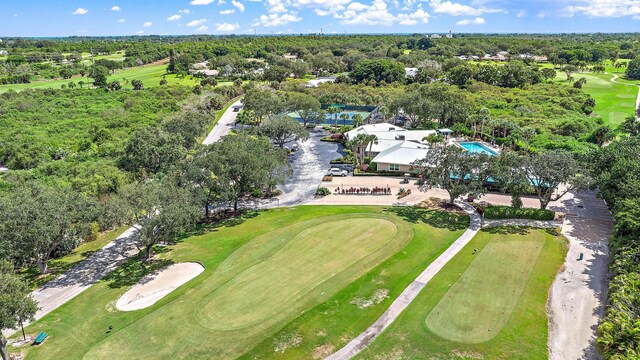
(478, 148)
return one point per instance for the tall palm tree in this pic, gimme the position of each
(344, 117)
(371, 139)
(334, 110)
(357, 120)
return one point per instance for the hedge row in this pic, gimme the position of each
(507, 212)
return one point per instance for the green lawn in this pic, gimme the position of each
(58, 266)
(261, 274)
(149, 74)
(614, 102)
(488, 305)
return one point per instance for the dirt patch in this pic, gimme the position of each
(153, 287)
(466, 354)
(323, 351)
(394, 354)
(376, 298)
(286, 341)
(439, 204)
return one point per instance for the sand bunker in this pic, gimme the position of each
(155, 286)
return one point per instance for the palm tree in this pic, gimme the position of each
(371, 139)
(344, 117)
(357, 120)
(334, 110)
(361, 142)
(527, 133)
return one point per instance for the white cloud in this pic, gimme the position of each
(227, 12)
(356, 6)
(121, 20)
(198, 22)
(238, 4)
(80, 11)
(185, 11)
(202, 28)
(375, 14)
(476, 21)
(147, 24)
(201, 2)
(413, 18)
(227, 27)
(140, 32)
(115, 8)
(457, 9)
(522, 13)
(603, 8)
(175, 17)
(278, 20)
(276, 6)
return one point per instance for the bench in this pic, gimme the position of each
(40, 338)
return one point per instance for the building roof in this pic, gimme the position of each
(410, 71)
(206, 72)
(318, 81)
(403, 153)
(372, 128)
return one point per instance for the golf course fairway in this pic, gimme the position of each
(267, 282)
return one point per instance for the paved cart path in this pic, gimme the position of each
(410, 292)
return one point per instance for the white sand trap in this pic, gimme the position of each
(154, 287)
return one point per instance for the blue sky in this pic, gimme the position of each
(179, 17)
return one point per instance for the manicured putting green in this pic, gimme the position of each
(480, 303)
(300, 264)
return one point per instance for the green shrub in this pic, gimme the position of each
(322, 191)
(507, 212)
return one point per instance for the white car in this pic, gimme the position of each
(337, 172)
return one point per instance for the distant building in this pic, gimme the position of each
(411, 72)
(321, 80)
(200, 65)
(290, 56)
(4, 53)
(435, 36)
(205, 72)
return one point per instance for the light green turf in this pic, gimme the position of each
(298, 260)
(299, 265)
(480, 282)
(481, 302)
(149, 74)
(614, 102)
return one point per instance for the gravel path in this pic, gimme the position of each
(406, 297)
(578, 295)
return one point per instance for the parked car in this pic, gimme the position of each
(337, 172)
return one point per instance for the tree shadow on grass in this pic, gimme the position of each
(508, 230)
(220, 220)
(435, 218)
(133, 270)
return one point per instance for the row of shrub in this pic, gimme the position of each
(507, 212)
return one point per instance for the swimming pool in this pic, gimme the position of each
(477, 148)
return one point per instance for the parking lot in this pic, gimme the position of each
(310, 163)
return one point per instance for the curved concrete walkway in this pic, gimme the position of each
(613, 79)
(410, 292)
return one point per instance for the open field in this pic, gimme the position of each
(261, 274)
(488, 305)
(614, 102)
(149, 74)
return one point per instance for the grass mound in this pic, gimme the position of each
(479, 304)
